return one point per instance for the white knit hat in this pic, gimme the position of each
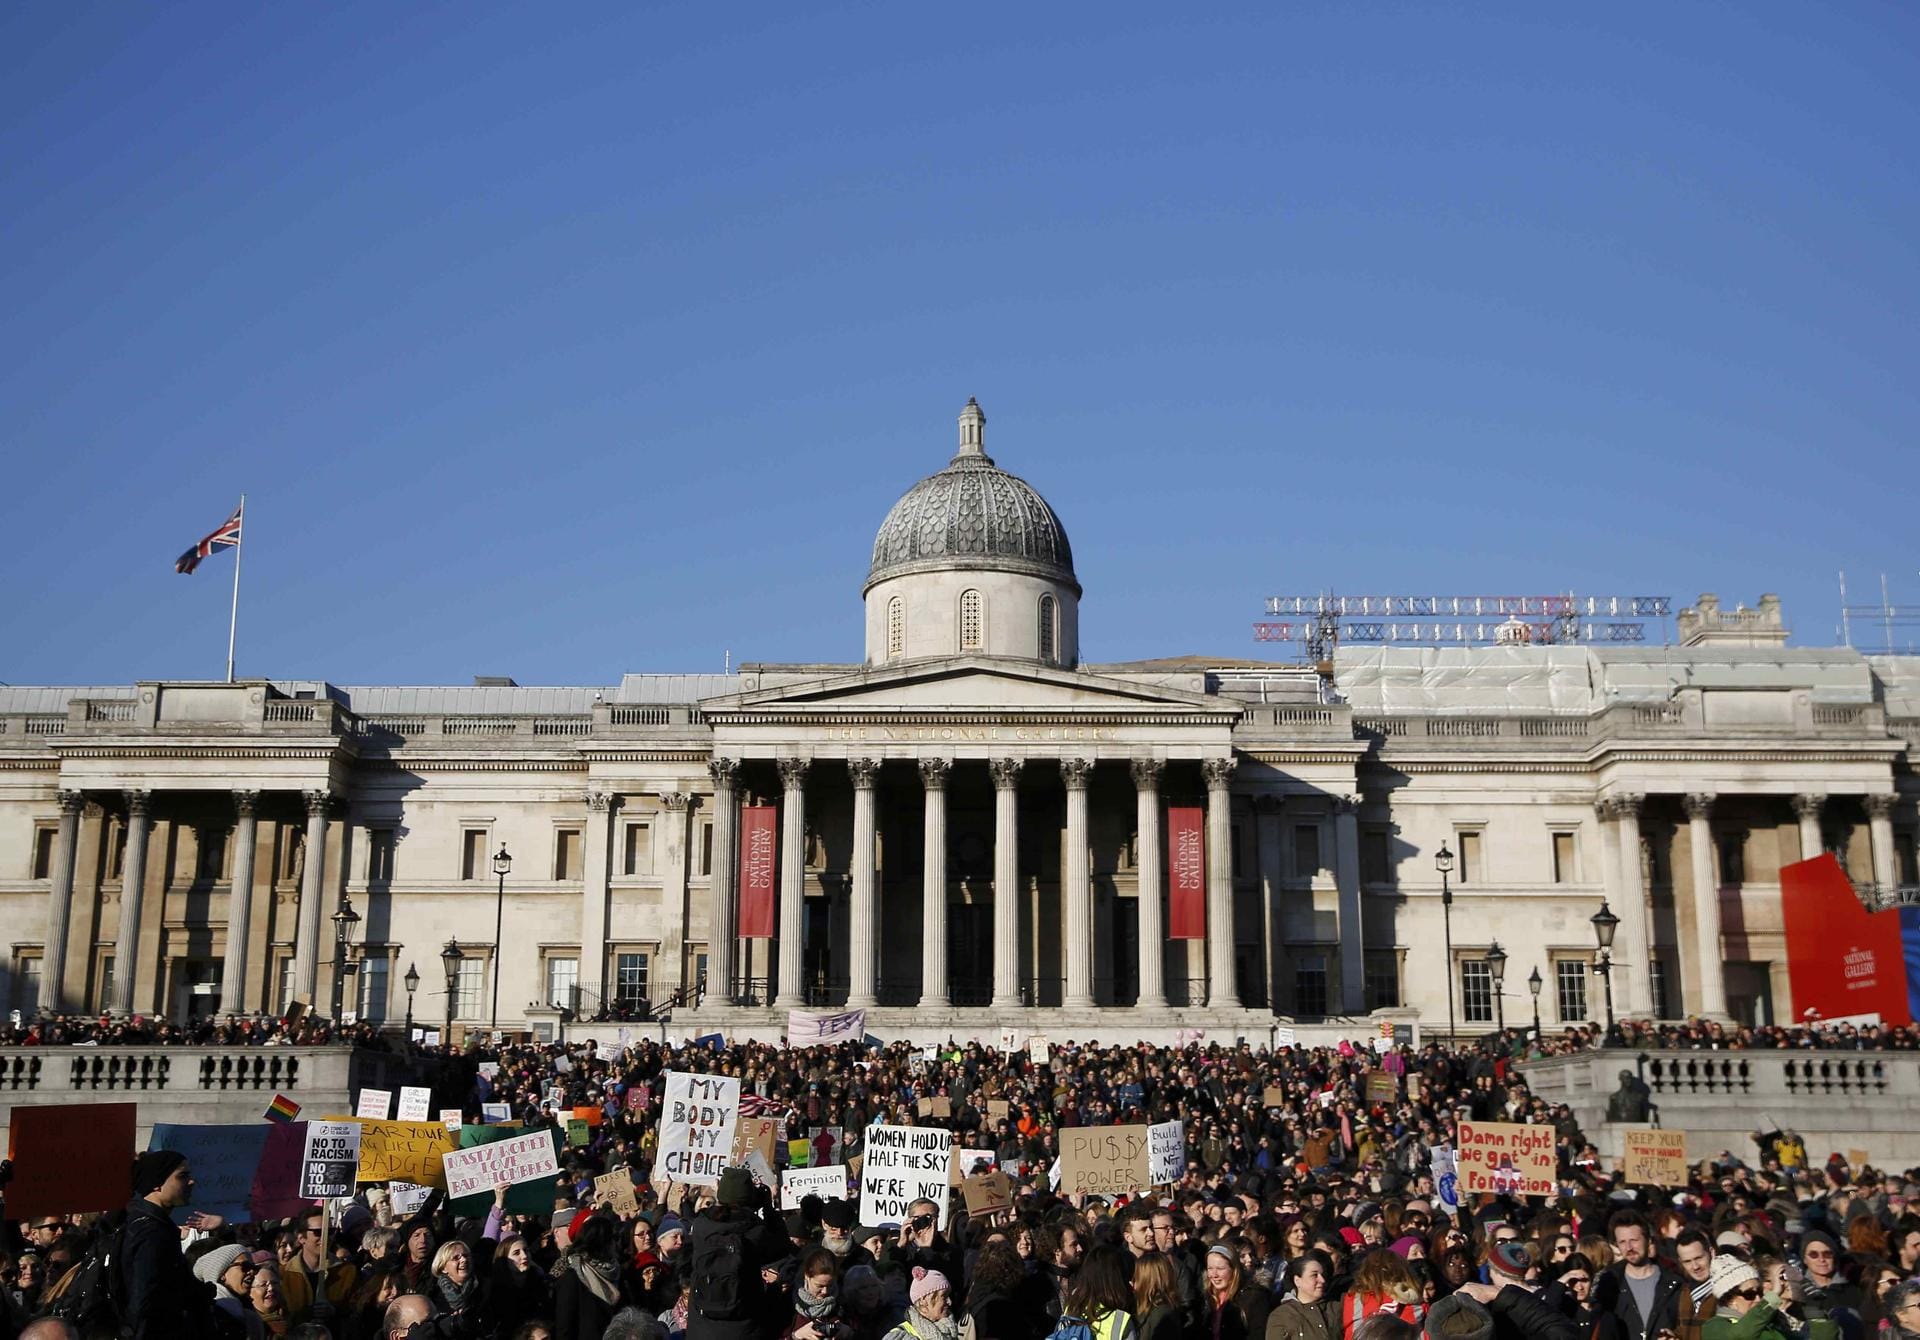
(1729, 1273)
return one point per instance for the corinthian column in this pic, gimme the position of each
(306, 967)
(1222, 991)
(1346, 870)
(1808, 808)
(1146, 787)
(133, 884)
(1637, 987)
(933, 884)
(1079, 887)
(233, 974)
(720, 943)
(595, 875)
(865, 911)
(1706, 905)
(53, 956)
(793, 880)
(1006, 883)
(1880, 829)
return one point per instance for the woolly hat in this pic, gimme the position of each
(926, 1282)
(215, 1263)
(1403, 1247)
(1728, 1273)
(1512, 1257)
(837, 1213)
(152, 1169)
(1458, 1317)
(1366, 1210)
(670, 1224)
(736, 1187)
(1221, 1249)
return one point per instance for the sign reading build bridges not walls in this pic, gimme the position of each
(1843, 960)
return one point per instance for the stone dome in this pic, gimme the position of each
(973, 515)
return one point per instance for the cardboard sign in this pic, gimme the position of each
(1103, 1160)
(70, 1158)
(939, 1108)
(998, 1110)
(1038, 1050)
(223, 1159)
(415, 1104)
(591, 1113)
(374, 1103)
(523, 1158)
(405, 1151)
(1413, 1088)
(406, 1198)
(579, 1134)
(331, 1159)
(987, 1192)
(1505, 1158)
(1381, 1087)
(1857, 1158)
(903, 1164)
(1273, 1096)
(451, 1117)
(751, 1134)
(1655, 1157)
(1166, 1153)
(615, 1191)
(696, 1127)
(826, 1183)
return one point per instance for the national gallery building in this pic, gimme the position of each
(967, 830)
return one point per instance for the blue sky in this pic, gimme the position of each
(562, 342)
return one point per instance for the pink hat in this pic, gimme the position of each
(926, 1282)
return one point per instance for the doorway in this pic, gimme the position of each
(1750, 993)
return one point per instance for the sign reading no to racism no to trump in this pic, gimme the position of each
(696, 1127)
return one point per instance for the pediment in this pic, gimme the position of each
(971, 685)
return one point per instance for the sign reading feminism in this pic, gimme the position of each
(757, 847)
(1186, 873)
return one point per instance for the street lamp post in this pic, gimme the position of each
(1605, 923)
(344, 920)
(1497, 966)
(1534, 983)
(1443, 862)
(502, 863)
(450, 959)
(412, 982)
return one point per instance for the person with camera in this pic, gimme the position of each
(921, 1244)
(1743, 1311)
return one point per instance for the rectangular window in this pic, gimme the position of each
(638, 858)
(286, 983)
(473, 853)
(1476, 991)
(1376, 865)
(630, 978)
(373, 989)
(706, 849)
(563, 976)
(1570, 983)
(106, 981)
(1383, 981)
(700, 968)
(566, 853)
(470, 977)
(43, 838)
(1310, 985)
(1471, 870)
(1563, 868)
(1657, 980)
(1306, 850)
(1733, 860)
(26, 984)
(380, 846)
(116, 846)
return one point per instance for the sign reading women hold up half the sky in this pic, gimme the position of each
(903, 1164)
(697, 1117)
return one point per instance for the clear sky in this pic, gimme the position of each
(562, 341)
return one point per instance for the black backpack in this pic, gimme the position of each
(92, 1300)
(723, 1278)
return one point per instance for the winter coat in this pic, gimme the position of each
(163, 1299)
(1295, 1320)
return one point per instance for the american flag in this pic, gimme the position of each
(753, 1105)
(225, 536)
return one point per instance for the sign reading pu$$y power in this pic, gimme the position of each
(1104, 1160)
(1505, 1159)
(903, 1164)
(696, 1128)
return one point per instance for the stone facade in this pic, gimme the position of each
(185, 848)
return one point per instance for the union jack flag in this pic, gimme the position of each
(225, 536)
(753, 1105)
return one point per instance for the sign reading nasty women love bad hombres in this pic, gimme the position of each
(484, 1167)
(696, 1128)
(903, 1164)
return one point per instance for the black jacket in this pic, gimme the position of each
(1666, 1301)
(161, 1297)
(764, 1242)
(1519, 1314)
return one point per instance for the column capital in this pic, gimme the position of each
(244, 803)
(317, 802)
(864, 771)
(72, 802)
(1604, 809)
(725, 773)
(1146, 773)
(1006, 773)
(676, 801)
(933, 772)
(1699, 804)
(138, 803)
(599, 802)
(793, 773)
(1879, 805)
(1627, 805)
(1218, 772)
(1074, 771)
(1807, 804)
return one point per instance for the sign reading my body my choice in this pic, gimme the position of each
(696, 1127)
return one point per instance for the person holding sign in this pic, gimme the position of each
(300, 1278)
(163, 1299)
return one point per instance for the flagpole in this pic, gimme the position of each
(233, 618)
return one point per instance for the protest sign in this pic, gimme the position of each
(451, 1117)
(591, 1113)
(1858, 1157)
(1505, 1158)
(987, 1192)
(275, 1193)
(1273, 1096)
(1446, 1184)
(760, 1170)
(826, 1183)
(1166, 1153)
(696, 1127)
(827, 1144)
(1038, 1050)
(808, 1029)
(374, 1103)
(405, 1151)
(799, 1153)
(1283, 1037)
(1103, 1160)
(756, 1133)
(1413, 1088)
(903, 1164)
(938, 1108)
(330, 1160)
(615, 1191)
(1381, 1087)
(406, 1198)
(530, 1197)
(970, 1161)
(70, 1158)
(1655, 1158)
(637, 1099)
(579, 1134)
(415, 1104)
(998, 1110)
(495, 1112)
(224, 1160)
(1009, 1040)
(522, 1158)
(488, 1069)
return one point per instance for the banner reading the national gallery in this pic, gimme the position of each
(757, 845)
(1843, 960)
(1186, 873)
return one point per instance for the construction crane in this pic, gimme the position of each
(1323, 622)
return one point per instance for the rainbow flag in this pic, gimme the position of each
(282, 1108)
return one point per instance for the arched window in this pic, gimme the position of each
(896, 627)
(1049, 639)
(973, 622)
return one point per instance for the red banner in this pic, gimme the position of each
(1186, 873)
(1841, 959)
(758, 843)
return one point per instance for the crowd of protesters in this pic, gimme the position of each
(62, 1030)
(1306, 1212)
